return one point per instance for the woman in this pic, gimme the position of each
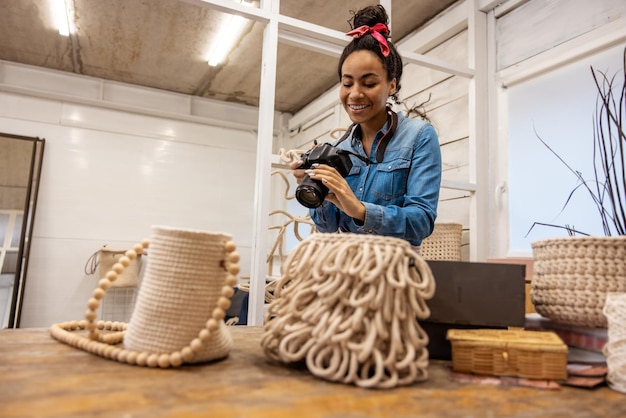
(396, 192)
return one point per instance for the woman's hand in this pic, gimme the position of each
(297, 173)
(341, 195)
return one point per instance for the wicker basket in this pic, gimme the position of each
(572, 276)
(444, 243)
(527, 354)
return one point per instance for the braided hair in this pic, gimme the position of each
(392, 63)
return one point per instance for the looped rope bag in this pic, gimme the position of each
(348, 306)
(181, 303)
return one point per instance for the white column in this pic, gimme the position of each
(258, 270)
(478, 132)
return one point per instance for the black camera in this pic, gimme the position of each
(311, 193)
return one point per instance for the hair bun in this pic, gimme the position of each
(370, 16)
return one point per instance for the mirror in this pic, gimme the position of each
(20, 168)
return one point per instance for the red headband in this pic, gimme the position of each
(376, 31)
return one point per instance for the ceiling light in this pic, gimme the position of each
(63, 16)
(232, 28)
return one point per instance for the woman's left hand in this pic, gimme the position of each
(341, 195)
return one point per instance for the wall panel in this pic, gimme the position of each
(538, 26)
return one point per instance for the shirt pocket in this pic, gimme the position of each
(391, 178)
(353, 176)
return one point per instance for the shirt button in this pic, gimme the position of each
(389, 167)
(360, 189)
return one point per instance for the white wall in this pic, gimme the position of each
(108, 175)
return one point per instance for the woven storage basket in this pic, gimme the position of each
(572, 276)
(444, 243)
(528, 354)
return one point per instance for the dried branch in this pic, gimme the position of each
(608, 189)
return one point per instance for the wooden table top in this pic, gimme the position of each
(41, 377)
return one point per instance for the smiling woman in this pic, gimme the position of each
(392, 187)
(20, 166)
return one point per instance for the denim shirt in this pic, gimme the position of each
(400, 193)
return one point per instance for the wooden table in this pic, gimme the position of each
(41, 377)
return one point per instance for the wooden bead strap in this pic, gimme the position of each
(105, 344)
(348, 305)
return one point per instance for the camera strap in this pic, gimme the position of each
(384, 141)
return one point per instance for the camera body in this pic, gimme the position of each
(311, 193)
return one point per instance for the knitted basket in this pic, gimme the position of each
(615, 348)
(572, 276)
(444, 243)
(181, 303)
(348, 305)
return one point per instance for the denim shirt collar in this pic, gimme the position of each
(356, 136)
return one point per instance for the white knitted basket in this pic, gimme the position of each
(572, 276)
(179, 290)
(615, 348)
(181, 303)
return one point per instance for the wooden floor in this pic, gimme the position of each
(41, 377)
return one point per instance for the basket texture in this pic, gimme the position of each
(444, 243)
(615, 348)
(347, 305)
(181, 286)
(527, 354)
(572, 276)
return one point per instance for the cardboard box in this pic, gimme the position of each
(473, 295)
(485, 294)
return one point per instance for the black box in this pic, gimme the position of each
(473, 295)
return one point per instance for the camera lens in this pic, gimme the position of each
(311, 193)
(309, 197)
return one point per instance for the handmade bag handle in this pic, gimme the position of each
(103, 344)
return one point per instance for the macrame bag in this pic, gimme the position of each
(347, 305)
(179, 314)
(102, 261)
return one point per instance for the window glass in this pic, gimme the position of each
(559, 107)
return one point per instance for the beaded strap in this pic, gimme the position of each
(103, 344)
